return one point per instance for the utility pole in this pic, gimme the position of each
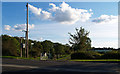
(27, 55)
(21, 48)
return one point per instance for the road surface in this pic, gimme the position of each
(34, 66)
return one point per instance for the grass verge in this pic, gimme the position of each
(64, 58)
(15, 57)
(96, 60)
(38, 58)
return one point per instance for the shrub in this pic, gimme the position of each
(111, 55)
(85, 55)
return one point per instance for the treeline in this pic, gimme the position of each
(104, 48)
(80, 47)
(11, 47)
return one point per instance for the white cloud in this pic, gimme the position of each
(105, 19)
(20, 27)
(7, 27)
(31, 26)
(64, 13)
(35, 10)
(90, 10)
(53, 7)
(39, 12)
(45, 15)
(41, 38)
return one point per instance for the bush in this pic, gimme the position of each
(111, 55)
(85, 55)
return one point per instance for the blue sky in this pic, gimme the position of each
(100, 18)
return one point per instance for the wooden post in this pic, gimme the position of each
(25, 43)
(27, 34)
(21, 47)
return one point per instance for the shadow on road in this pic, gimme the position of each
(62, 67)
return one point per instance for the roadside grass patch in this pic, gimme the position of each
(15, 57)
(95, 60)
(65, 57)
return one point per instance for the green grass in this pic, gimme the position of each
(96, 60)
(15, 57)
(64, 57)
(86, 60)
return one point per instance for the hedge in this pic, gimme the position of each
(85, 55)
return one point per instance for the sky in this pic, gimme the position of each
(54, 20)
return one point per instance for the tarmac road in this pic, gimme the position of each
(34, 66)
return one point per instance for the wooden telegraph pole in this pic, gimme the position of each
(27, 55)
(21, 47)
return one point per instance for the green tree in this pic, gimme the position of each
(47, 45)
(10, 46)
(80, 40)
(52, 52)
(36, 48)
(67, 49)
(59, 49)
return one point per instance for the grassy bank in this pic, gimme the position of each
(96, 60)
(15, 57)
(65, 58)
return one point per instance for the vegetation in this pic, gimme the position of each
(81, 44)
(11, 47)
(85, 55)
(111, 55)
(80, 49)
(80, 40)
(88, 60)
(17, 57)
